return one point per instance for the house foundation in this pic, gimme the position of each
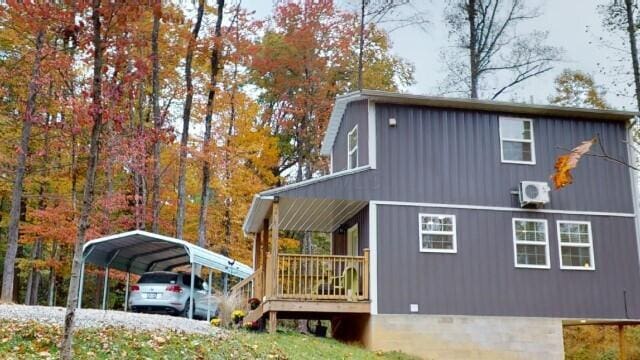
(466, 337)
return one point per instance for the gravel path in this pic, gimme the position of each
(91, 318)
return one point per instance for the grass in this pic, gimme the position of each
(33, 340)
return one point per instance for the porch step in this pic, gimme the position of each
(254, 315)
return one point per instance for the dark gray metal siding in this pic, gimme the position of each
(356, 113)
(453, 157)
(481, 279)
(339, 246)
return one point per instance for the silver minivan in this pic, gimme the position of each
(168, 292)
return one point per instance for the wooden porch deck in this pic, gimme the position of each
(308, 287)
(302, 286)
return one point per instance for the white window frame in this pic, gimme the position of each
(530, 141)
(589, 245)
(355, 149)
(421, 232)
(517, 242)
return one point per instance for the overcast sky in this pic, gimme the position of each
(566, 21)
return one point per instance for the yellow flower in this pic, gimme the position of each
(215, 322)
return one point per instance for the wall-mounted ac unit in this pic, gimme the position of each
(533, 193)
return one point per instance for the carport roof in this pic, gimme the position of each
(140, 251)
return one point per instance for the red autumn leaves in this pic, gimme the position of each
(567, 162)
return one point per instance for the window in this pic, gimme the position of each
(352, 140)
(516, 141)
(576, 245)
(437, 233)
(530, 243)
(158, 278)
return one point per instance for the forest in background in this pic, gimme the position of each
(169, 117)
(255, 95)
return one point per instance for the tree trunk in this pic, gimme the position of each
(87, 198)
(16, 195)
(226, 220)
(157, 122)
(473, 53)
(206, 171)
(186, 116)
(34, 275)
(361, 45)
(631, 29)
(33, 282)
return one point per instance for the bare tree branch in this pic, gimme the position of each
(486, 31)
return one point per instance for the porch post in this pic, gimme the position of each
(105, 289)
(622, 348)
(273, 322)
(256, 292)
(264, 244)
(257, 251)
(275, 227)
(255, 255)
(126, 292)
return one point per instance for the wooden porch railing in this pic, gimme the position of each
(319, 277)
(247, 287)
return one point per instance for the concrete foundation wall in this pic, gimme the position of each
(466, 337)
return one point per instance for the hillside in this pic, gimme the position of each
(34, 340)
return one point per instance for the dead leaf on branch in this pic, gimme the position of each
(567, 162)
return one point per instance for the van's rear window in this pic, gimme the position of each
(158, 279)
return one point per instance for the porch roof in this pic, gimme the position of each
(314, 211)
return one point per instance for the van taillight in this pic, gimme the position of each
(135, 288)
(174, 288)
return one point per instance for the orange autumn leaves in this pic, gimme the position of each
(567, 162)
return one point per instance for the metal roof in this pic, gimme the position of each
(140, 251)
(342, 101)
(302, 213)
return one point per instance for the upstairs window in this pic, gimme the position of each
(516, 141)
(437, 233)
(576, 245)
(352, 145)
(531, 243)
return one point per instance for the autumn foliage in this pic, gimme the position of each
(274, 93)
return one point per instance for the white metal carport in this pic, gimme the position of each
(139, 251)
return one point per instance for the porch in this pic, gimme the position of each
(305, 286)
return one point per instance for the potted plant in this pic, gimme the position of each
(254, 303)
(237, 316)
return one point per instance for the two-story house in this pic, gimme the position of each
(433, 251)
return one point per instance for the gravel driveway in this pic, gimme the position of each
(92, 318)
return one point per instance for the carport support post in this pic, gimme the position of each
(80, 288)
(225, 284)
(105, 290)
(191, 300)
(209, 298)
(126, 292)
